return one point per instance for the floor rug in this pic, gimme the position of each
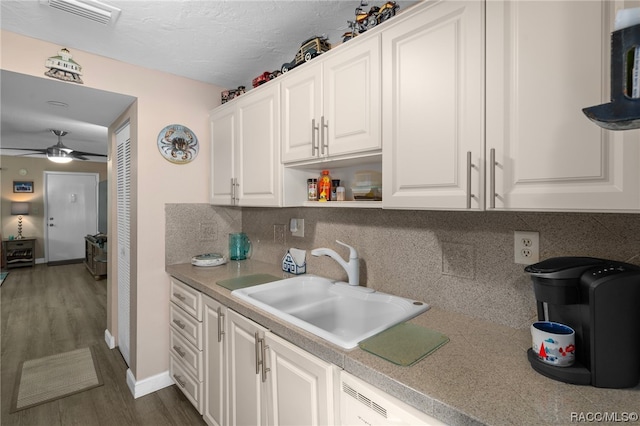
(47, 379)
(3, 275)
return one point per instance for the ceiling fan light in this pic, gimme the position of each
(58, 155)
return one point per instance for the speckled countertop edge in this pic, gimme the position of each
(481, 376)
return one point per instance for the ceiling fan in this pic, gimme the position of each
(59, 153)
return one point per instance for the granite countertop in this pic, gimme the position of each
(481, 376)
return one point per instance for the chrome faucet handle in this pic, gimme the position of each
(353, 254)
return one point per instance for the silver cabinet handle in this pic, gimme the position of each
(233, 191)
(492, 178)
(179, 323)
(220, 328)
(179, 350)
(179, 297)
(263, 362)
(323, 142)
(314, 141)
(180, 382)
(469, 167)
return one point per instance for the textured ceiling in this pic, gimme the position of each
(226, 43)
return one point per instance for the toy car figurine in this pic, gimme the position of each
(264, 77)
(309, 49)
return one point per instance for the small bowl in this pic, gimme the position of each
(554, 343)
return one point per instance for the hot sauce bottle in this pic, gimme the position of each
(324, 186)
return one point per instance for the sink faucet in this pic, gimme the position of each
(352, 267)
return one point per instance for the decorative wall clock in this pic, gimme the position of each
(178, 144)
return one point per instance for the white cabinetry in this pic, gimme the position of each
(186, 357)
(301, 385)
(545, 62)
(247, 393)
(432, 97)
(331, 107)
(215, 379)
(245, 154)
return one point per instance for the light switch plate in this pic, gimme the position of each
(299, 232)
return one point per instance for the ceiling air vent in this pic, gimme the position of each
(89, 9)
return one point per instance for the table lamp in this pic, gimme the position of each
(20, 209)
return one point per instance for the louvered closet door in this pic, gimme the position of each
(123, 206)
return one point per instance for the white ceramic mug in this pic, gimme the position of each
(554, 343)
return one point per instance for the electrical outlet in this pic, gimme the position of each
(526, 247)
(278, 233)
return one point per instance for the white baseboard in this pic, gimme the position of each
(41, 260)
(148, 385)
(111, 341)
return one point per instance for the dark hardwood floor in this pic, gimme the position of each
(47, 310)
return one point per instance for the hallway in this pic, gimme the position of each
(47, 310)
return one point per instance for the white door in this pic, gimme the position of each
(246, 394)
(257, 151)
(215, 380)
(545, 62)
(72, 213)
(352, 99)
(301, 385)
(223, 134)
(123, 230)
(433, 86)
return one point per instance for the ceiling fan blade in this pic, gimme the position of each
(40, 150)
(84, 153)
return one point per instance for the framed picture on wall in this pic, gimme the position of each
(22, 186)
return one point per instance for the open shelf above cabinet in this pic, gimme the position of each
(295, 182)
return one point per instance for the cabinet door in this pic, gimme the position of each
(548, 155)
(215, 381)
(222, 154)
(351, 89)
(432, 97)
(301, 112)
(246, 392)
(258, 167)
(301, 385)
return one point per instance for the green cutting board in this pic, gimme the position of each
(246, 281)
(404, 344)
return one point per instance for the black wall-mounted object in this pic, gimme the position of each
(623, 112)
(600, 300)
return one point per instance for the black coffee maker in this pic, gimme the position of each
(600, 300)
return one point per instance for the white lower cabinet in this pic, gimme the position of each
(301, 385)
(215, 380)
(186, 343)
(253, 377)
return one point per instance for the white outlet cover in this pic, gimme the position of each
(526, 247)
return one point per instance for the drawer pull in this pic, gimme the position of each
(179, 381)
(179, 350)
(179, 297)
(263, 361)
(179, 323)
(220, 324)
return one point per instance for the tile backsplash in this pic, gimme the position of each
(459, 261)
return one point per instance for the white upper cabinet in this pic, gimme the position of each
(545, 62)
(246, 168)
(331, 107)
(432, 114)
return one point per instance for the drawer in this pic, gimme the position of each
(189, 385)
(188, 354)
(187, 298)
(186, 325)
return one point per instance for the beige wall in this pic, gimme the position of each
(33, 225)
(162, 99)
